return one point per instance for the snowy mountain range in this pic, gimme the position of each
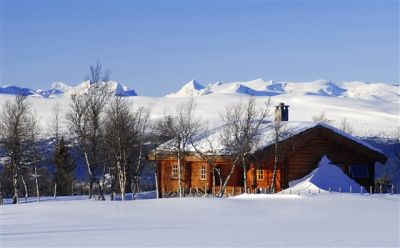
(59, 89)
(259, 87)
(347, 89)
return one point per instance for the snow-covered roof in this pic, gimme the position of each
(206, 143)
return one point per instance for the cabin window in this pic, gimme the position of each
(175, 171)
(260, 174)
(203, 174)
(359, 171)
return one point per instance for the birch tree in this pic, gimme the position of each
(180, 128)
(141, 135)
(126, 131)
(34, 157)
(241, 132)
(55, 129)
(280, 132)
(14, 131)
(85, 121)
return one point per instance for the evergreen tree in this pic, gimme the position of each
(65, 169)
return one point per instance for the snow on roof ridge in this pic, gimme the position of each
(266, 137)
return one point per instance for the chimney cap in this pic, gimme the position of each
(281, 104)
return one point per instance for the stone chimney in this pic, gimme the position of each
(282, 112)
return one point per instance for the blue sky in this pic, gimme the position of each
(157, 46)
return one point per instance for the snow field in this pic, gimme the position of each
(249, 220)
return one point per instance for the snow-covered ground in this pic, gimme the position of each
(334, 219)
(367, 118)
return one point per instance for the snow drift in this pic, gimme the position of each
(325, 176)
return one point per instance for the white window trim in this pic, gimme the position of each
(203, 172)
(175, 171)
(258, 174)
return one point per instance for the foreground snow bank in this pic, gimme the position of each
(316, 220)
(326, 176)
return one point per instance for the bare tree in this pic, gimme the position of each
(210, 153)
(345, 126)
(55, 126)
(241, 133)
(322, 119)
(280, 132)
(141, 134)
(85, 121)
(180, 128)
(14, 131)
(34, 157)
(125, 132)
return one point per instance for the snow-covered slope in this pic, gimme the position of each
(59, 89)
(192, 88)
(259, 87)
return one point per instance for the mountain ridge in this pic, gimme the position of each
(60, 89)
(259, 87)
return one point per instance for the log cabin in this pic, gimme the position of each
(298, 154)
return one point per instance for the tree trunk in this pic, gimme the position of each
(122, 191)
(37, 186)
(213, 182)
(55, 190)
(272, 187)
(101, 190)
(137, 182)
(156, 179)
(25, 188)
(15, 186)
(90, 189)
(222, 189)
(133, 187)
(244, 174)
(1, 194)
(179, 174)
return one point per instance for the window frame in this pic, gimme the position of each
(203, 172)
(174, 171)
(260, 174)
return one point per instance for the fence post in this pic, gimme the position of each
(380, 189)
(340, 189)
(392, 189)
(298, 192)
(309, 191)
(350, 190)
(329, 189)
(319, 190)
(290, 191)
(361, 190)
(370, 189)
